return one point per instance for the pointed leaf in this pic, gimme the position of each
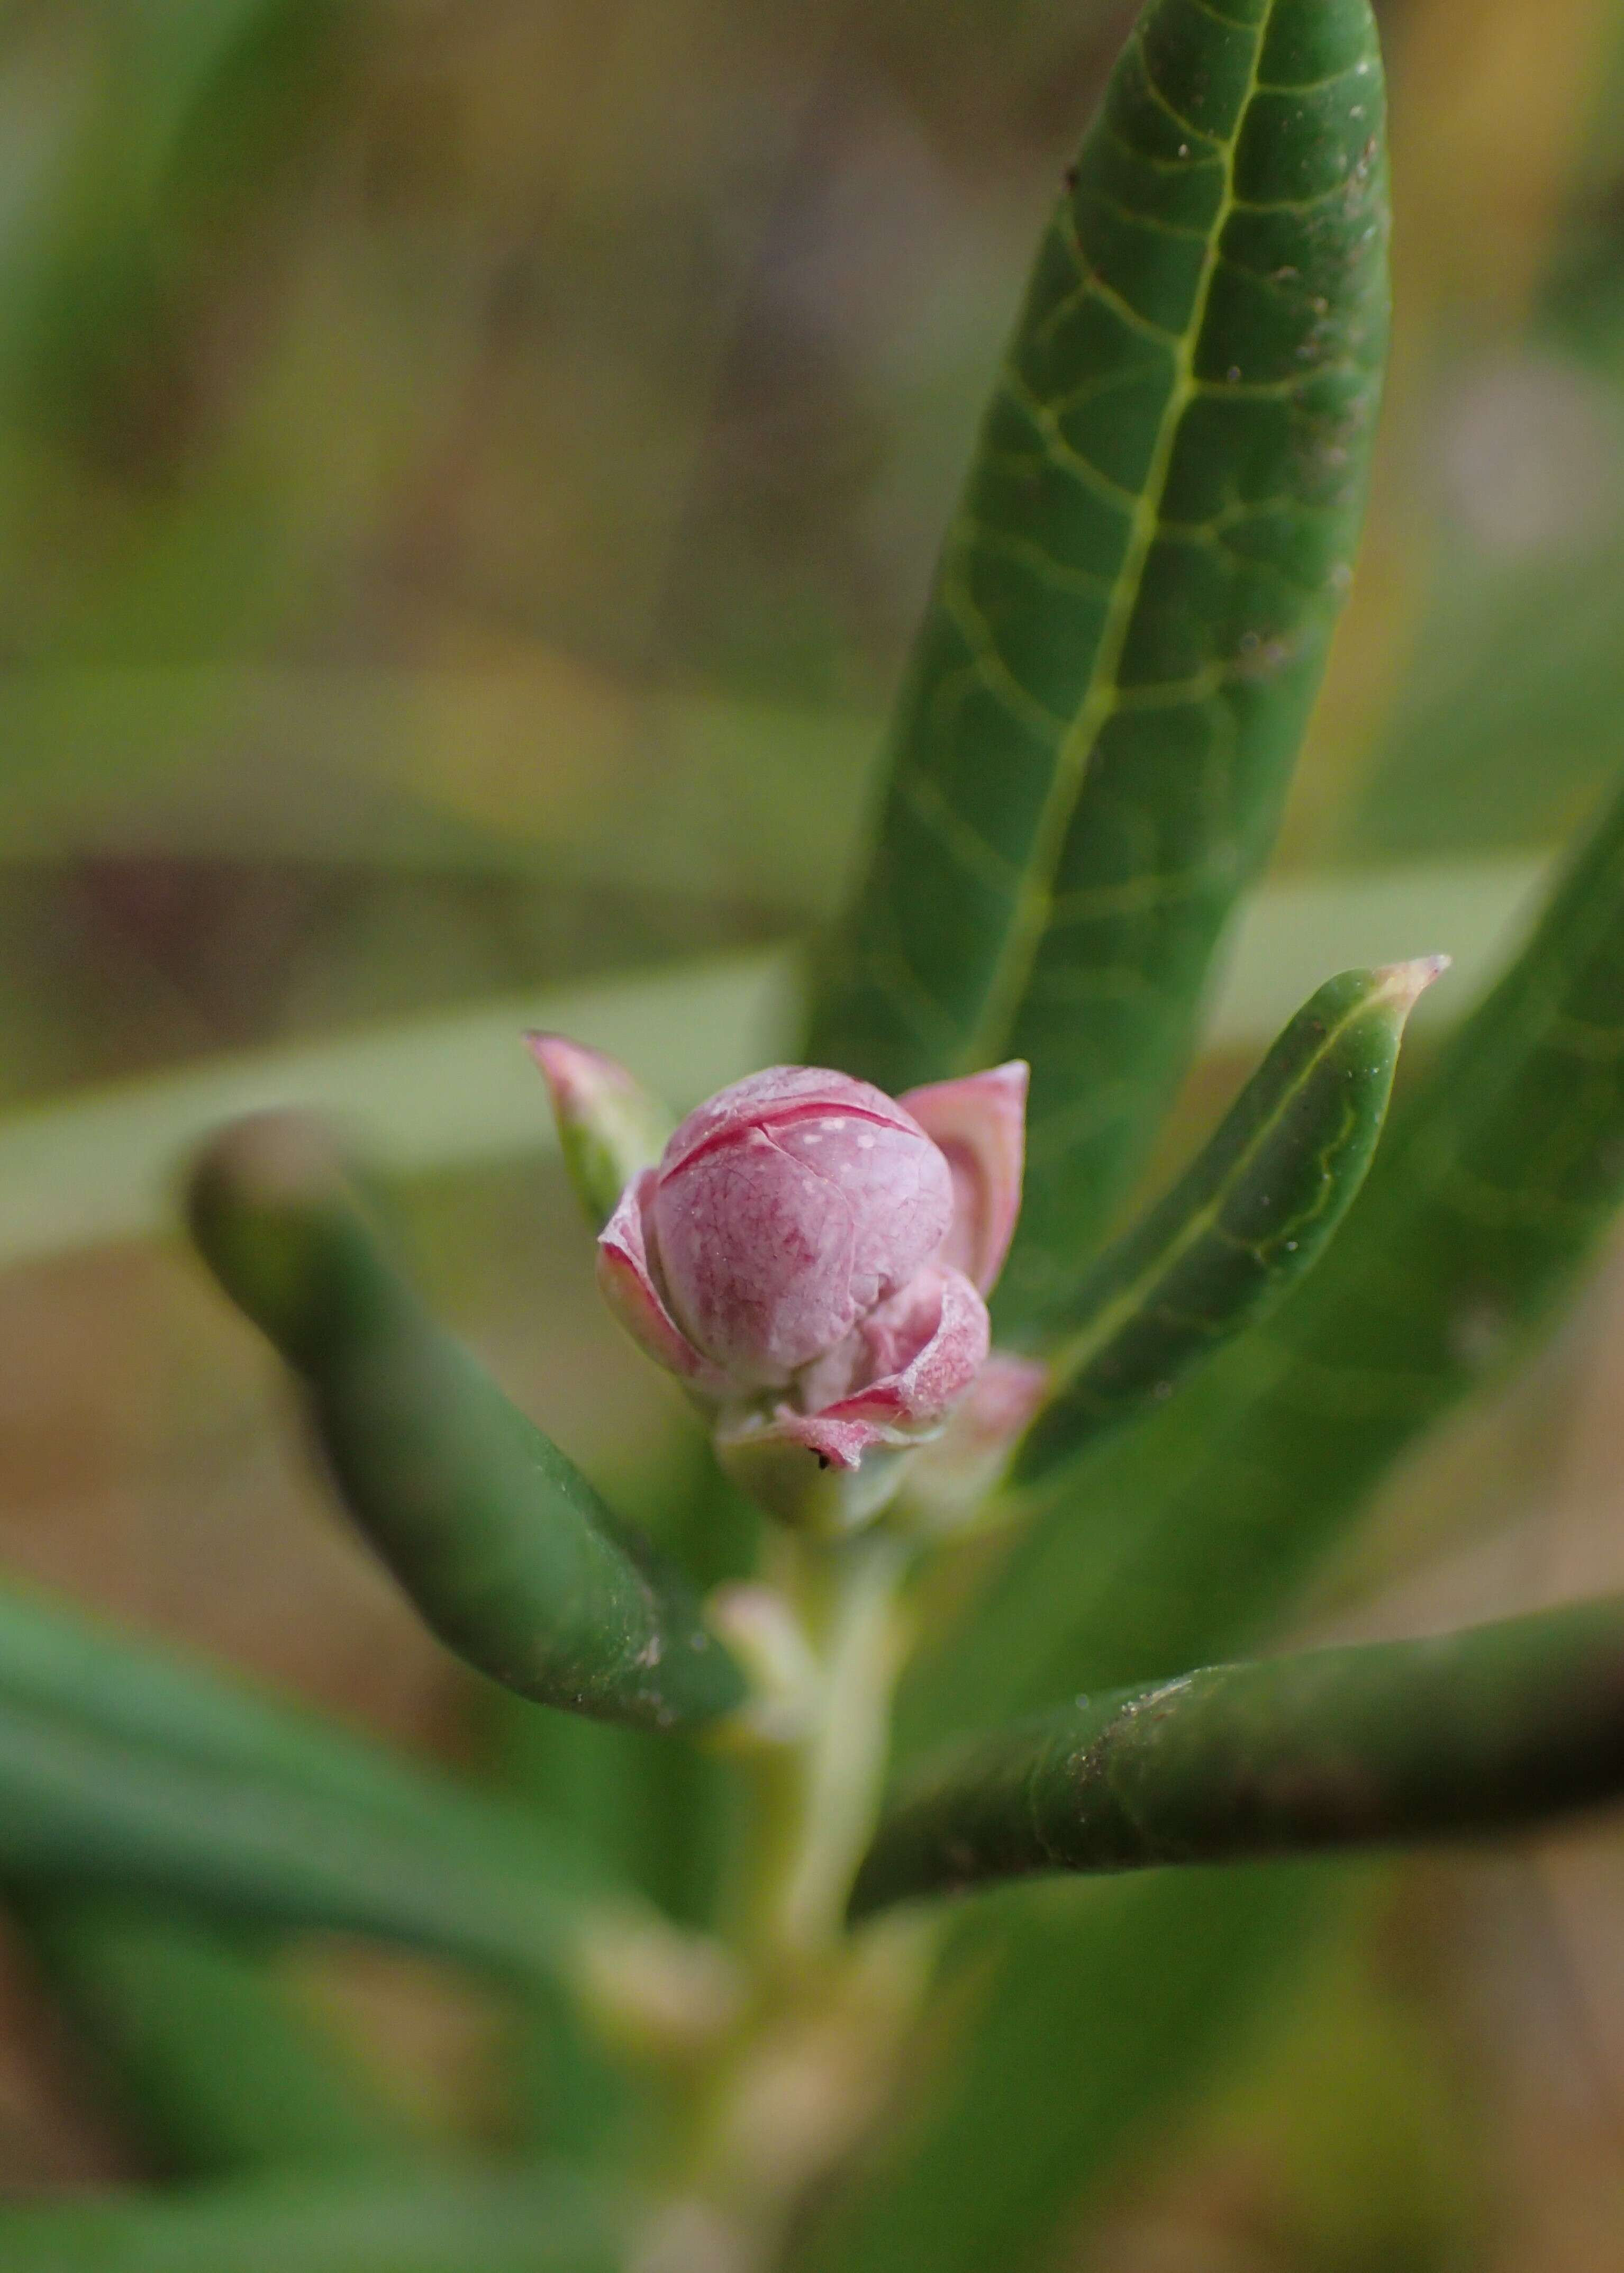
(1247, 1220)
(1130, 616)
(1489, 1730)
(502, 1544)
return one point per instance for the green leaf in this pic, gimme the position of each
(502, 1544)
(1130, 617)
(207, 2060)
(1493, 1181)
(1493, 1184)
(1489, 1730)
(540, 2223)
(1245, 1222)
(120, 1766)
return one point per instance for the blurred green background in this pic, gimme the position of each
(468, 471)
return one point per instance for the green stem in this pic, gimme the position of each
(821, 2012)
(818, 1798)
(1476, 1732)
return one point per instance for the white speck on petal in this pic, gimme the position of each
(865, 1144)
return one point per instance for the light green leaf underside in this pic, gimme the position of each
(1130, 610)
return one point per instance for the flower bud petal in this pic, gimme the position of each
(609, 1127)
(979, 1123)
(933, 1337)
(628, 1286)
(786, 1209)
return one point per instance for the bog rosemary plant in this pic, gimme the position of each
(924, 1334)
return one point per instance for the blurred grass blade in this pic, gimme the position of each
(122, 1767)
(1131, 613)
(1243, 1224)
(207, 2060)
(541, 2223)
(82, 1804)
(1489, 1730)
(502, 1544)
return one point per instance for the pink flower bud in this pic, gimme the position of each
(809, 1258)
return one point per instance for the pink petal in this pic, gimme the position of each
(779, 1095)
(927, 1345)
(629, 1288)
(787, 1208)
(980, 1123)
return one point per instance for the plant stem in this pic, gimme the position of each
(794, 2081)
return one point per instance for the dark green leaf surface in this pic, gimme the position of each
(541, 2224)
(207, 2060)
(1243, 1224)
(1460, 1736)
(1492, 1185)
(501, 1542)
(1131, 612)
(122, 1767)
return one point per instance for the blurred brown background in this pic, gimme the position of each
(468, 472)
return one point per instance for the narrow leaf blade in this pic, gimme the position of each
(1252, 1212)
(1131, 612)
(1489, 1730)
(500, 1541)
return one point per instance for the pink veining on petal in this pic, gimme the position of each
(979, 1123)
(629, 1288)
(786, 1210)
(926, 1347)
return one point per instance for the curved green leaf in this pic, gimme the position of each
(1252, 1214)
(540, 2222)
(1488, 1730)
(1130, 616)
(206, 2058)
(500, 1541)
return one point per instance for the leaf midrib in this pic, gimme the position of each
(989, 1037)
(1098, 1334)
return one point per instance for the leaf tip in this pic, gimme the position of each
(1404, 983)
